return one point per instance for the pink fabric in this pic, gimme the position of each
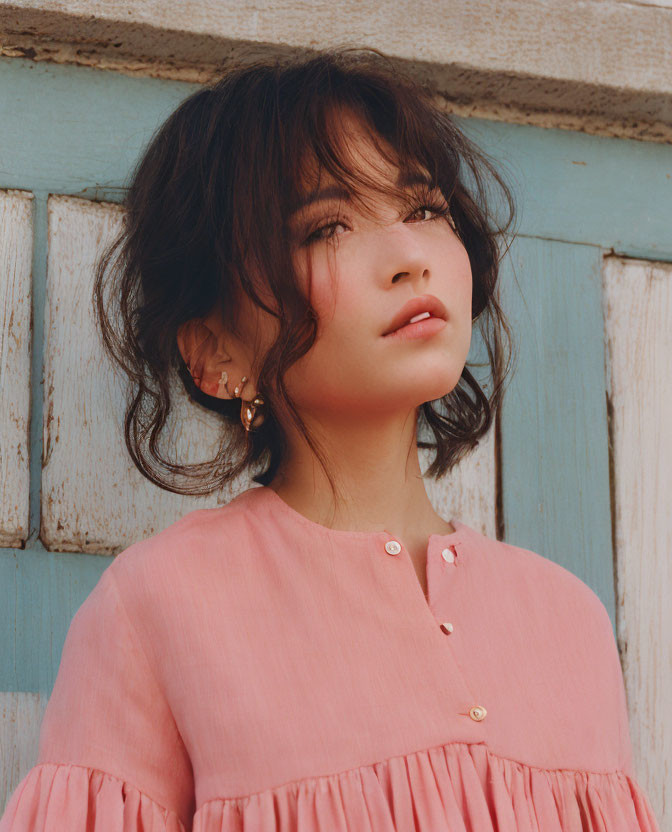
(249, 670)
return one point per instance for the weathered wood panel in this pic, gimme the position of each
(638, 322)
(16, 260)
(555, 460)
(516, 60)
(468, 492)
(574, 187)
(569, 186)
(20, 720)
(40, 592)
(93, 498)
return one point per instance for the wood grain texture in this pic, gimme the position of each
(21, 716)
(555, 461)
(638, 322)
(568, 186)
(16, 261)
(93, 498)
(468, 492)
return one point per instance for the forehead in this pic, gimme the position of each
(365, 159)
(334, 191)
(357, 147)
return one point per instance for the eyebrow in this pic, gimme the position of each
(404, 179)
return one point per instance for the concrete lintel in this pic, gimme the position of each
(601, 66)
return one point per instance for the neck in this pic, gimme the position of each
(377, 474)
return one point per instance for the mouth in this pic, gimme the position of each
(419, 309)
(423, 325)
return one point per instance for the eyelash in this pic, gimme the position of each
(440, 209)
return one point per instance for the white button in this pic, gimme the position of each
(392, 547)
(448, 555)
(477, 713)
(447, 627)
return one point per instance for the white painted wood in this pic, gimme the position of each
(21, 717)
(638, 322)
(16, 261)
(93, 498)
(468, 492)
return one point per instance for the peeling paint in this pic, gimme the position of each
(468, 97)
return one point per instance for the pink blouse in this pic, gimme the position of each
(247, 669)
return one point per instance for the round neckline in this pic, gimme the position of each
(275, 499)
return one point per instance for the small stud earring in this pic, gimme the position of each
(223, 380)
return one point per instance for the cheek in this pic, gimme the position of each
(454, 282)
(346, 326)
(333, 297)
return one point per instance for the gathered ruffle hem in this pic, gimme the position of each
(457, 787)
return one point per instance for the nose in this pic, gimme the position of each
(407, 251)
(400, 252)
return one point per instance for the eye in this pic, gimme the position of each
(317, 236)
(439, 209)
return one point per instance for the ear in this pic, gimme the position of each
(200, 341)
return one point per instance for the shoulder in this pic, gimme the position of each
(185, 544)
(554, 611)
(542, 586)
(167, 582)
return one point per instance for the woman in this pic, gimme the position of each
(323, 652)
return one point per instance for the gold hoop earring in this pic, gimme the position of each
(248, 409)
(248, 413)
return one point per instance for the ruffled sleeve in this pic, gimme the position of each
(110, 757)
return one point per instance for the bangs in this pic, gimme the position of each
(319, 161)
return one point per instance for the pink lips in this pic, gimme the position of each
(415, 306)
(420, 329)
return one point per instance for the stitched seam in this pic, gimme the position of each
(343, 772)
(119, 778)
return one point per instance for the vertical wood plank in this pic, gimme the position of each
(468, 492)
(93, 498)
(638, 324)
(21, 717)
(555, 461)
(16, 259)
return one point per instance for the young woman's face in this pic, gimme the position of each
(364, 269)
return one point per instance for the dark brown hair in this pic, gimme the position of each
(207, 207)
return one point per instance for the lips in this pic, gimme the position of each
(413, 307)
